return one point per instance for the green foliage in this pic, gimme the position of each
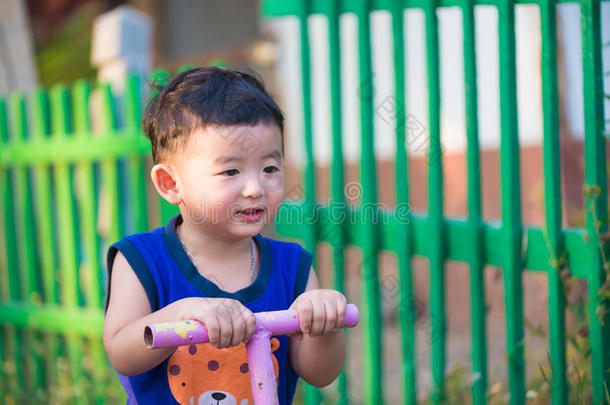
(65, 56)
(457, 385)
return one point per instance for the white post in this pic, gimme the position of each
(121, 45)
(17, 68)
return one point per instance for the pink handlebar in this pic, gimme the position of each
(189, 332)
(260, 364)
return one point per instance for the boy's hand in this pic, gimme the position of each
(320, 311)
(228, 322)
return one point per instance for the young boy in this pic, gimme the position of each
(218, 152)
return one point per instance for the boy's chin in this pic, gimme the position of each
(247, 228)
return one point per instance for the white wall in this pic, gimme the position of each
(453, 137)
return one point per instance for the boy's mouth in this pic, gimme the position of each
(250, 211)
(251, 214)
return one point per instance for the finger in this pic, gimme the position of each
(250, 326)
(331, 317)
(244, 318)
(296, 335)
(341, 308)
(211, 324)
(305, 309)
(226, 328)
(318, 318)
(240, 324)
(239, 329)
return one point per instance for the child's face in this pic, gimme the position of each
(225, 170)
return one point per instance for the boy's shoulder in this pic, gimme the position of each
(154, 234)
(284, 245)
(136, 247)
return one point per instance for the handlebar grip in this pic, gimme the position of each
(351, 316)
(169, 334)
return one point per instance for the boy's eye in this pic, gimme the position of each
(230, 171)
(271, 169)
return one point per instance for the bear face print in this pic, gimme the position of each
(203, 375)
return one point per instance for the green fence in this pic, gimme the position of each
(469, 240)
(73, 181)
(60, 201)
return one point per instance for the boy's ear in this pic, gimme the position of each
(164, 178)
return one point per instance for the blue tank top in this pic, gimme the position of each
(167, 275)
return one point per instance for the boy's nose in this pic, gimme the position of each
(253, 188)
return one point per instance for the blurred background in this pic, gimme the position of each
(47, 42)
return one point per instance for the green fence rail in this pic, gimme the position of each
(73, 181)
(63, 200)
(548, 249)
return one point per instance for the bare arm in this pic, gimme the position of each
(318, 357)
(227, 321)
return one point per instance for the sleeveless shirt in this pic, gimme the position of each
(201, 373)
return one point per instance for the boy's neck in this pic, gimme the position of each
(213, 249)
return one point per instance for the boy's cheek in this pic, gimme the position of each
(275, 183)
(212, 210)
(273, 209)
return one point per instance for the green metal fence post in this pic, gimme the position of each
(61, 125)
(476, 259)
(552, 200)
(26, 243)
(371, 308)
(87, 208)
(596, 197)
(312, 394)
(512, 232)
(406, 298)
(5, 258)
(14, 348)
(335, 228)
(435, 219)
(47, 246)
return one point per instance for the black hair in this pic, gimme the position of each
(204, 96)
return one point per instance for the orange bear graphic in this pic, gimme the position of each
(203, 375)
